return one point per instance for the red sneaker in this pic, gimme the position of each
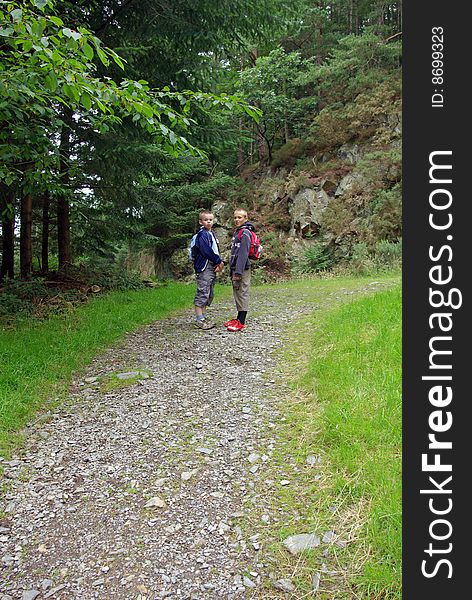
(232, 322)
(236, 327)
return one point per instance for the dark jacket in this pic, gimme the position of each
(239, 261)
(205, 244)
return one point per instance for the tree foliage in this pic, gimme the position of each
(272, 85)
(49, 83)
(120, 119)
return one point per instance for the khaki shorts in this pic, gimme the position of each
(205, 286)
(241, 291)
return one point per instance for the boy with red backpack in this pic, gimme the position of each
(245, 245)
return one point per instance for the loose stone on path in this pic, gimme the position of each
(298, 543)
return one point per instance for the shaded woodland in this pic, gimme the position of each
(120, 119)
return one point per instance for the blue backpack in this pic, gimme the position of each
(191, 250)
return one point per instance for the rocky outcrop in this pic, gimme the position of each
(350, 153)
(290, 204)
(179, 264)
(351, 183)
(143, 262)
(305, 210)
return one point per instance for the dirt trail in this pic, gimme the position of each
(138, 492)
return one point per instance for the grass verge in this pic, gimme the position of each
(38, 358)
(344, 416)
(355, 373)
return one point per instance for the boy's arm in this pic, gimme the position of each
(243, 253)
(204, 244)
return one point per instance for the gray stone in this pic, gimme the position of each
(285, 585)
(155, 502)
(237, 515)
(248, 582)
(186, 475)
(54, 591)
(179, 265)
(354, 182)
(129, 375)
(316, 582)
(46, 584)
(207, 451)
(306, 210)
(30, 594)
(132, 375)
(351, 153)
(217, 494)
(298, 543)
(328, 537)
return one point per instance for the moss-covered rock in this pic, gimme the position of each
(180, 266)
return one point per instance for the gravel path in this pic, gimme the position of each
(137, 492)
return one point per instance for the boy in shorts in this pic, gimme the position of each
(207, 262)
(240, 268)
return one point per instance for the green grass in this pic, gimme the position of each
(38, 358)
(355, 375)
(346, 409)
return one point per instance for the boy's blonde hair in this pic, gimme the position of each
(202, 213)
(242, 210)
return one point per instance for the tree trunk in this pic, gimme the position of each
(241, 157)
(319, 35)
(8, 236)
(255, 144)
(286, 127)
(381, 17)
(354, 17)
(63, 233)
(45, 234)
(26, 241)
(262, 148)
(63, 207)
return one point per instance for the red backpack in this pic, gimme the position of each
(255, 248)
